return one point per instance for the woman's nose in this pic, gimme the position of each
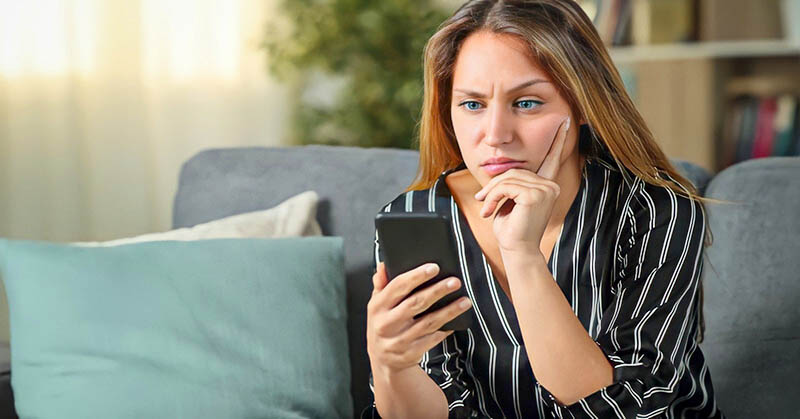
(498, 126)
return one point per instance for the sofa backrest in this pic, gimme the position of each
(751, 280)
(353, 184)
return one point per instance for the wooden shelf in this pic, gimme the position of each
(699, 50)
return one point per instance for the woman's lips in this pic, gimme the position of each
(496, 169)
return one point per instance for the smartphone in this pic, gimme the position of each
(407, 240)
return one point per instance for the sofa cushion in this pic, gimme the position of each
(294, 217)
(223, 328)
(751, 287)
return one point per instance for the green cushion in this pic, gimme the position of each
(223, 328)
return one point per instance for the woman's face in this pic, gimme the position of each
(504, 105)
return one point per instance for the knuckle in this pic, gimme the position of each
(416, 302)
(406, 359)
(401, 343)
(392, 346)
(381, 329)
(429, 323)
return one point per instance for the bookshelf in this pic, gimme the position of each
(716, 80)
(705, 50)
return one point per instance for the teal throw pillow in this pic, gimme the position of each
(222, 328)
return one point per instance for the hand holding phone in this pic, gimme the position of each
(412, 308)
(395, 339)
(409, 240)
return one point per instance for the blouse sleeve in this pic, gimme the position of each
(650, 322)
(444, 363)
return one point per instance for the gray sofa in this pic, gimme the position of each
(751, 275)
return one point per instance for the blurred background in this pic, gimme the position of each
(101, 101)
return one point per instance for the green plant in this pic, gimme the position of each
(374, 47)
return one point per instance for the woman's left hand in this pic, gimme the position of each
(521, 220)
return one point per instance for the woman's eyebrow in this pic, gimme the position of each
(513, 89)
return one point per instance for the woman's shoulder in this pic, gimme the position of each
(410, 201)
(651, 206)
(671, 192)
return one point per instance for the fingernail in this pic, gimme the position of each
(452, 283)
(568, 122)
(465, 303)
(431, 269)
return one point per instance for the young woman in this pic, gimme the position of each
(581, 246)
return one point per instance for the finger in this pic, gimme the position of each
(379, 279)
(426, 343)
(431, 322)
(522, 183)
(501, 192)
(519, 174)
(402, 285)
(422, 300)
(540, 183)
(528, 178)
(511, 191)
(519, 182)
(551, 163)
(496, 195)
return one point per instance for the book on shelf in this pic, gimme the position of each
(728, 20)
(785, 123)
(761, 126)
(747, 129)
(765, 128)
(663, 21)
(622, 29)
(790, 11)
(642, 22)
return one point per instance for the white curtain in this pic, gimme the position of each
(101, 101)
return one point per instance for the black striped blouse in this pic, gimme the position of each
(628, 258)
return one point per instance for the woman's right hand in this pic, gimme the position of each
(395, 340)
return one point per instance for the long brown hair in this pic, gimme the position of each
(564, 42)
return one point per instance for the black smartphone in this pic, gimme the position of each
(407, 240)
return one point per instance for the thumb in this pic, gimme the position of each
(379, 280)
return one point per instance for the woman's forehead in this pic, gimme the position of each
(486, 57)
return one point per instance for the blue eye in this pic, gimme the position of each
(523, 104)
(529, 103)
(468, 103)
